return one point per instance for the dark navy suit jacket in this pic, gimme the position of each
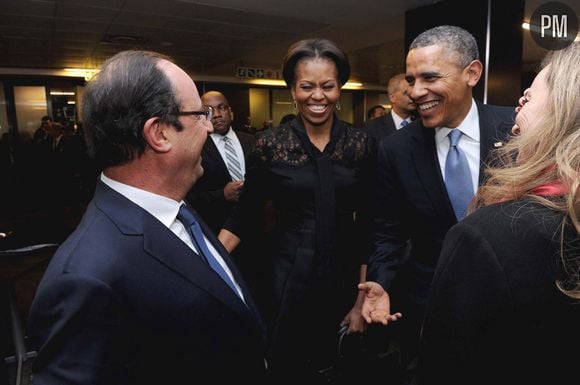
(379, 128)
(412, 201)
(125, 301)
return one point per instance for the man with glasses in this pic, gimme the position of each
(419, 194)
(224, 157)
(142, 292)
(215, 194)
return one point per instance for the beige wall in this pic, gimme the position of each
(259, 106)
(31, 106)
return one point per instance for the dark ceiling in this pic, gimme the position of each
(210, 37)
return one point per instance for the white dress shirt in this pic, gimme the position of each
(469, 143)
(397, 120)
(165, 211)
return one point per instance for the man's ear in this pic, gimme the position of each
(473, 72)
(156, 135)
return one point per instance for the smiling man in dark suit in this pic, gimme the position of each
(414, 200)
(135, 294)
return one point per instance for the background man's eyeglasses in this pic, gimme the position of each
(206, 111)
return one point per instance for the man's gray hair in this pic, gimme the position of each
(460, 44)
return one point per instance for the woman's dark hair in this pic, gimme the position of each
(312, 49)
(129, 89)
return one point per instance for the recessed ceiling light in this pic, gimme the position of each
(124, 39)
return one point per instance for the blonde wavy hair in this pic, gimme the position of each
(551, 153)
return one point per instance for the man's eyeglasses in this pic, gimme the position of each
(206, 111)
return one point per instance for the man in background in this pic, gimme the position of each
(402, 111)
(376, 111)
(41, 136)
(223, 159)
(215, 194)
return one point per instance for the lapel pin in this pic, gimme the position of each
(498, 144)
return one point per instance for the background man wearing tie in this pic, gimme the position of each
(402, 111)
(142, 292)
(215, 194)
(223, 159)
(426, 176)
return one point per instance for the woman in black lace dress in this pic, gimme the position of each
(313, 170)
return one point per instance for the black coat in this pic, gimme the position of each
(379, 128)
(317, 237)
(495, 315)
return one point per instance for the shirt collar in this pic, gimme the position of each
(161, 207)
(230, 134)
(469, 126)
(397, 119)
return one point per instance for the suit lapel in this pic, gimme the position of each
(492, 133)
(163, 245)
(168, 249)
(211, 155)
(247, 142)
(390, 124)
(427, 169)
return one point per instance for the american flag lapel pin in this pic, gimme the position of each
(498, 144)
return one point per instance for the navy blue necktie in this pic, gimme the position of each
(403, 123)
(192, 225)
(458, 177)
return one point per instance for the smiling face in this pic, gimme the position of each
(440, 88)
(533, 105)
(316, 90)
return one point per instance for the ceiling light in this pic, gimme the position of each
(124, 39)
(352, 86)
(86, 73)
(62, 93)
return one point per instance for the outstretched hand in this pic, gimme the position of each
(377, 304)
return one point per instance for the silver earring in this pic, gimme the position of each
(295, 105)
(337, 106)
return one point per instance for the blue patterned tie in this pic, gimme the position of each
(192, 225)
(458, 176)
